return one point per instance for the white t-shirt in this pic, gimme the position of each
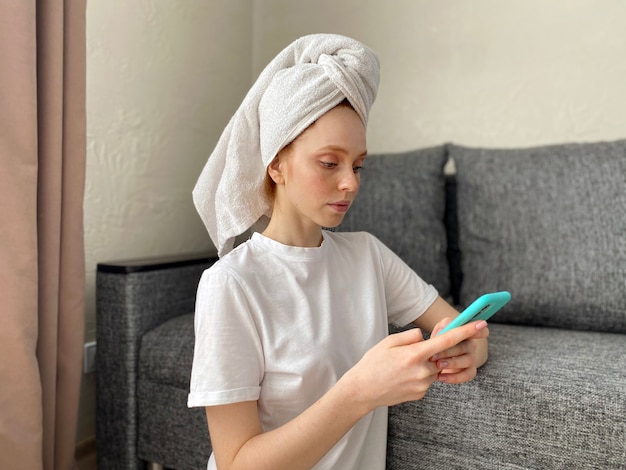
(280, 325)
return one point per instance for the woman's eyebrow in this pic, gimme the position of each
(338, 148)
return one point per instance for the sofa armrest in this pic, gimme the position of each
(132, 298)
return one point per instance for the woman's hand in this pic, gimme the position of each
(459, 364)
(400, 367)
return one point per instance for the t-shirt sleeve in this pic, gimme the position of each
(228, 358)
(408, 296)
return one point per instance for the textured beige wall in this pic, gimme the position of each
(475, 72)
(161, 86)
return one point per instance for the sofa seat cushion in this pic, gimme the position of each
(402, 202)
(166, 353)
(169, 432)
(547, 398)
(165, 360)
(549, 225)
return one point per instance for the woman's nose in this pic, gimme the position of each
(349, 181)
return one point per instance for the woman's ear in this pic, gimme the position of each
(274, 170)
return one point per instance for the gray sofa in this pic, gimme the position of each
(546, 223)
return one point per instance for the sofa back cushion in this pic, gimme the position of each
(402, 202)
(549, 225)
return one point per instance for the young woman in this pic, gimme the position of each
(293, 361)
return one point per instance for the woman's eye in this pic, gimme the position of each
(329, 164)
(357, 169)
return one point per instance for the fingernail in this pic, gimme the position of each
(481, 324)
(434, 358)
(443, 364)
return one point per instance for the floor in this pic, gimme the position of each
(88, 462)
(86, 455)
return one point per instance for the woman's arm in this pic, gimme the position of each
(395, 370)
(239, 442)
(458, 364)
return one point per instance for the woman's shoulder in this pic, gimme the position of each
(234, 264)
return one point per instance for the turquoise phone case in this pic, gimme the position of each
(481, 309)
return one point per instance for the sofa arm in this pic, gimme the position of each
(132, 298)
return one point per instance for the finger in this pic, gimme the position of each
(414, 335)
(456, 362)
(482, 334)
(457, 350)
(440, 326)
(450, 371)
(450, 338)
(458, 377)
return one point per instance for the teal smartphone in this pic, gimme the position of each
(481, 309)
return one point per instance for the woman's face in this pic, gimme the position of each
(317, 177)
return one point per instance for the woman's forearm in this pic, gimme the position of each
(303, 441)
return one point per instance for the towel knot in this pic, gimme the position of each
(353, 86)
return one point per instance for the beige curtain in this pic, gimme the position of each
(42, 171)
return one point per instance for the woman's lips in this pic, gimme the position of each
(340, 206)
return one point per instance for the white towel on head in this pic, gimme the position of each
(308, 78)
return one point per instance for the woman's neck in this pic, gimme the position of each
(293, 234)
